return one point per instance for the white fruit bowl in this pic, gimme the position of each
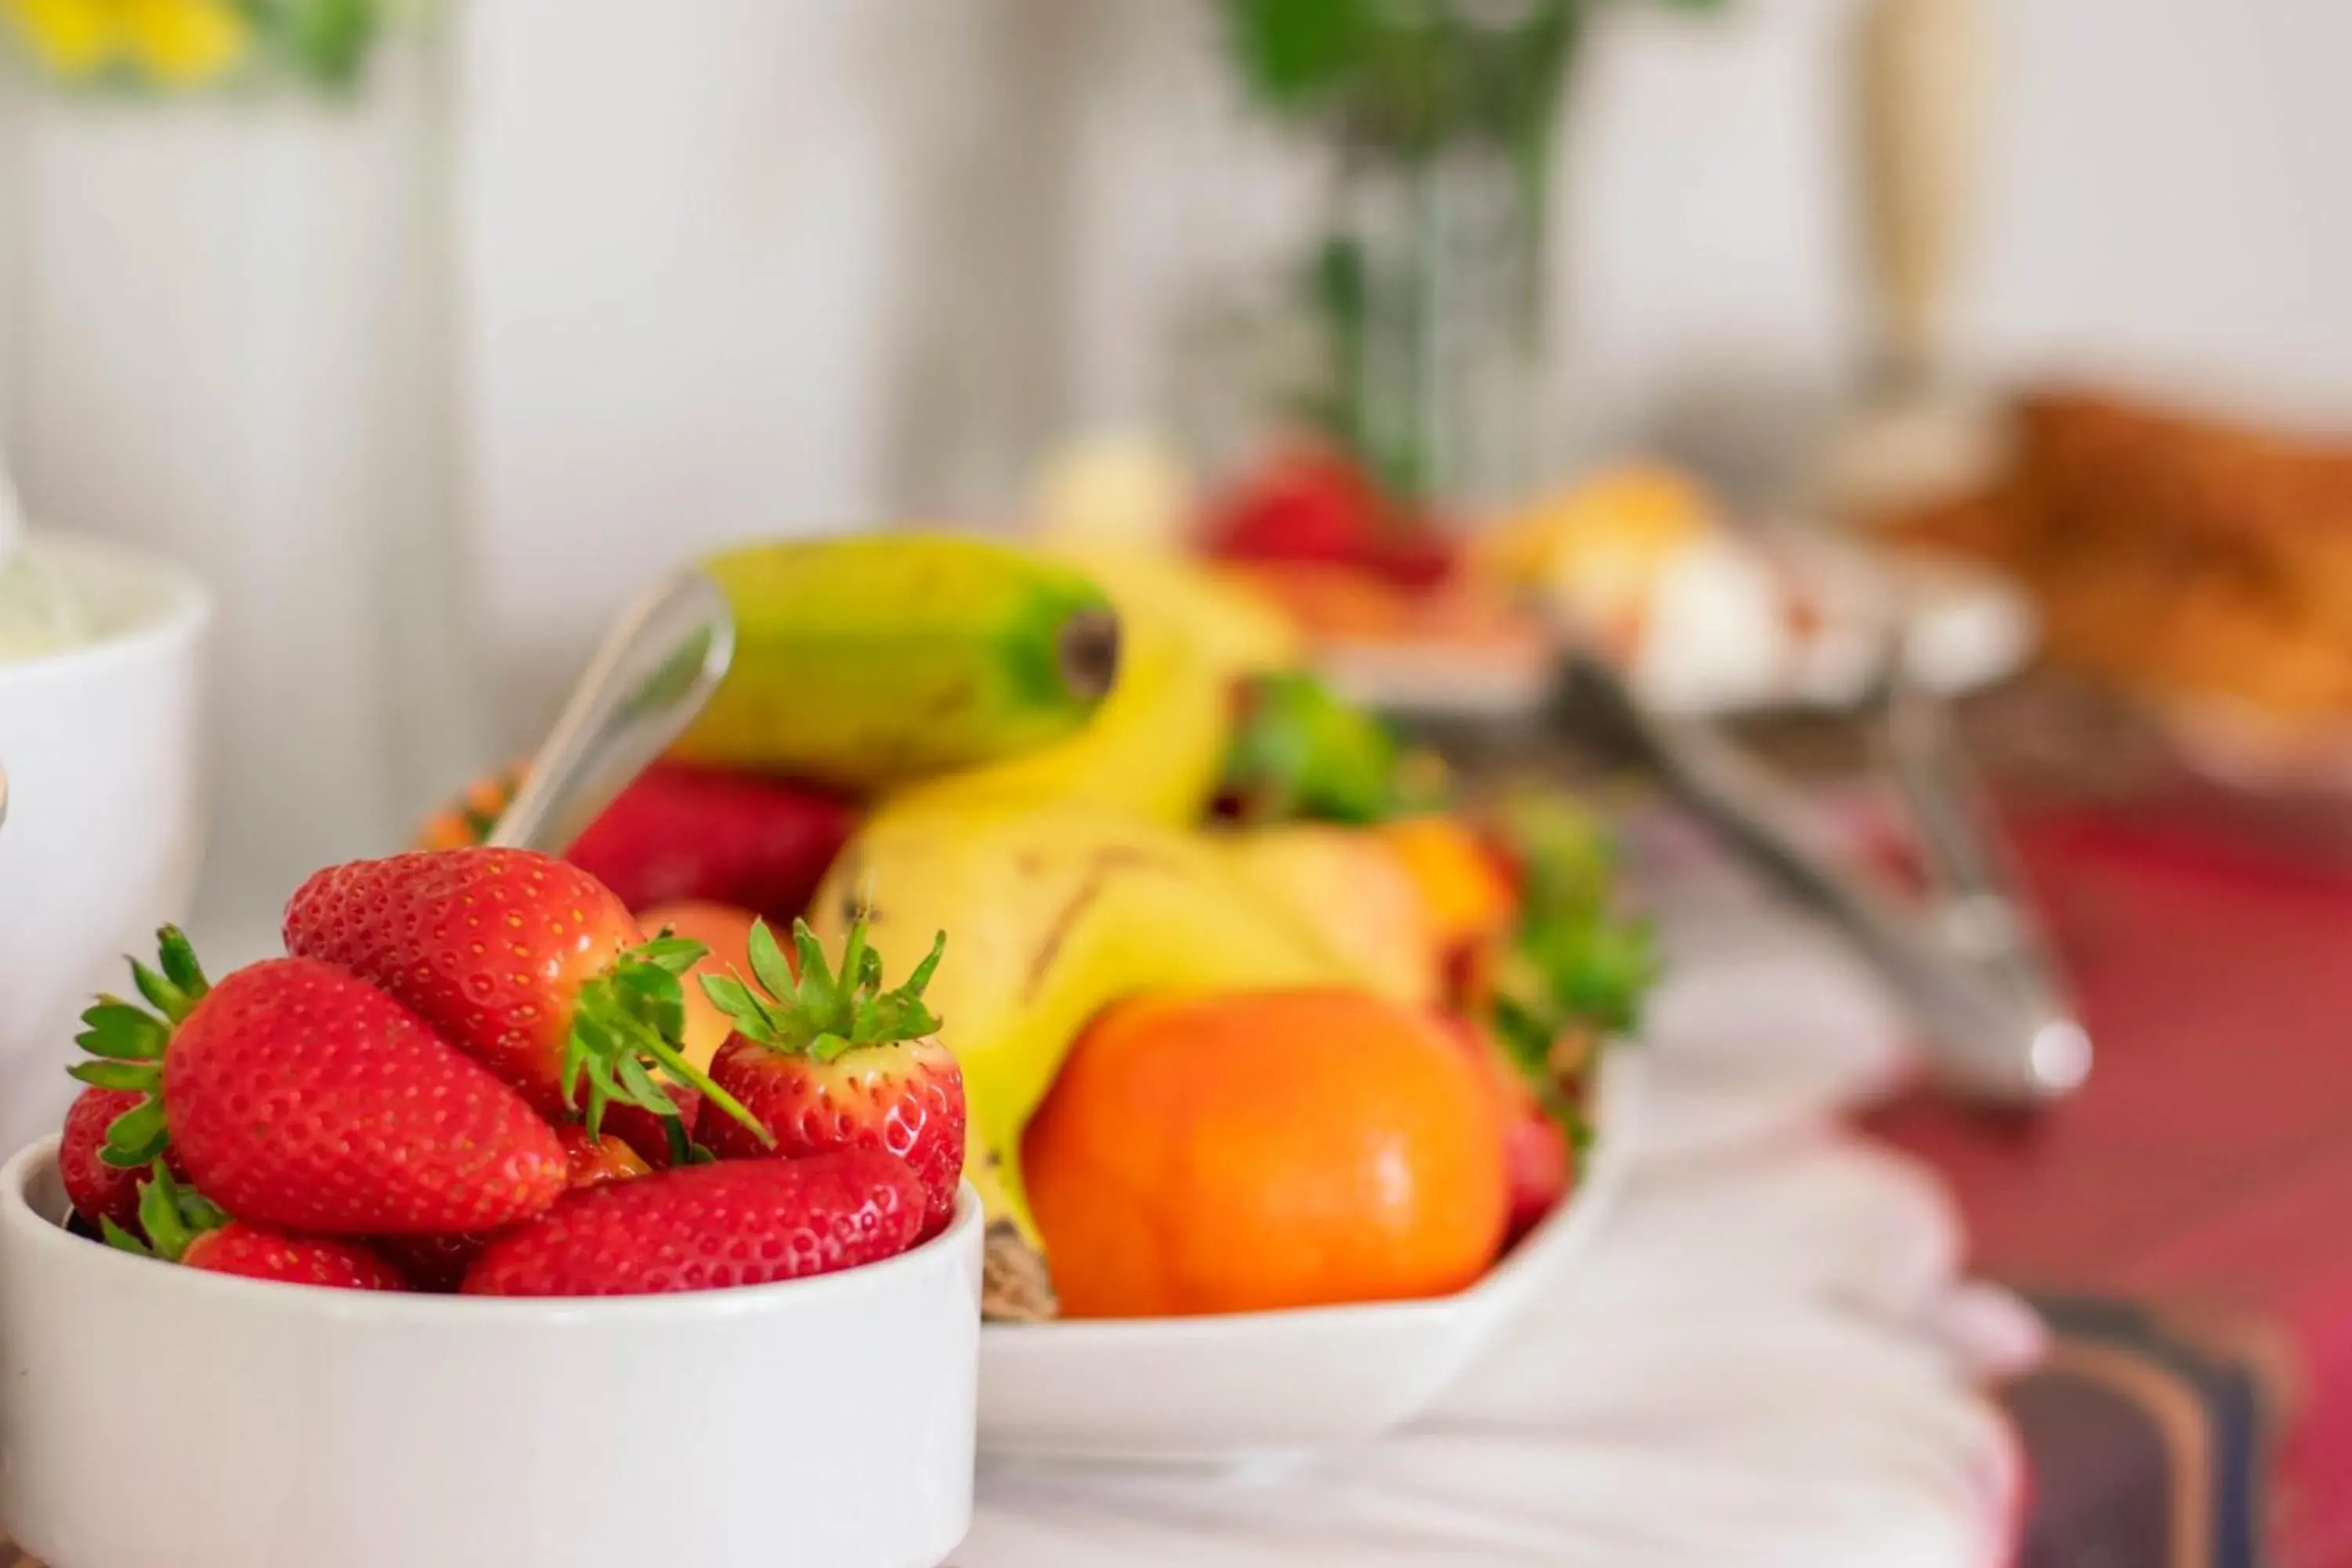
(1247, 1386)
(162, 1417)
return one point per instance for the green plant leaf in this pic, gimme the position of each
(815, 990)
(327, 41)
(767, 965)
(672, 954)
(1301, 751)
(734, 998)
(641, 1090)
(821, 1017)
(142, 1076)
(136, 1137)
(117, 1030)
(122, 1241)
(1296, 54)
(180, 966)
(161, 994)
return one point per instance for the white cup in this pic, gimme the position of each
(100, 744)
(160, 1418)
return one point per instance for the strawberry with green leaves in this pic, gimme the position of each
(528, 964)
(827, 1061)
(128, 1042)
(182, 1227)
(300, 1098)
(97, 1190)
(660, 1141)
(709, 1227)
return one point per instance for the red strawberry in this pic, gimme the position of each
(590, 1161)
(258, 1254)
(1539, 1156)
(681, 833)
(530, 965)
(1304, 506)
(1541, 1163)
(127, 1041)
(1412, 556)
(434, 1264)
(827, 1062)
(184, 1228)
(707, 1227)
(1312, 507)
(98, 1191)
(651, 1135)
(302, 1098)
(439, 1263)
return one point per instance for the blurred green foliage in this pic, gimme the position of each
(322, 41)
(1406, 75)
(1575, 964)
(1301, 752)
(1394, 84)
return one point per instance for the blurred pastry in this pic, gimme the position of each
(2173, 554)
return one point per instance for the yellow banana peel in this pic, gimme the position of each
(1154, 750)
(1347, 886)
(1230, 622)
(1054, 913)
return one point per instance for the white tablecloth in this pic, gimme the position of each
(1769, 1358)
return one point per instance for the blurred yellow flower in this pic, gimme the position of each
(173, 42)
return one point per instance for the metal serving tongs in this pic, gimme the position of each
(1975, 895)
(1968, 963)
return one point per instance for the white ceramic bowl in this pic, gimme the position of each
(100, 745)
(1249, 1386)
(158, 1417)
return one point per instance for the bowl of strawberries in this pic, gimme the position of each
(423, 1244)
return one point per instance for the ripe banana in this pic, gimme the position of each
(863, 662)
(1232, 622)
(1153, 750)
(1353, 891)
(1052, 915)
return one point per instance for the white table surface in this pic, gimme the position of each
(1770, 1356)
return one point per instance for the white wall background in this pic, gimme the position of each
(746, 265)
(734, 267)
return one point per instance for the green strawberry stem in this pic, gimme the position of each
(632, 1013)
(128, 1043)
(172, 1216)
(1573, 963)
(821, 1012)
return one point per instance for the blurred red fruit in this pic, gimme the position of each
(683, 833)
(1542, 1165)
(1304, 506)
(1314, 507)
(1538, 1157)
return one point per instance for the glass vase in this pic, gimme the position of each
(1430, 287)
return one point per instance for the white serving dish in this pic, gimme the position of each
(1964, 628)
(100, 744)
(159, 1417)
(1257, 1385)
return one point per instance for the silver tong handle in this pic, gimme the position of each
(1993, 1034)
(1975, 887)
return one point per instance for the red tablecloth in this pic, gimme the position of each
(2207, 1167)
